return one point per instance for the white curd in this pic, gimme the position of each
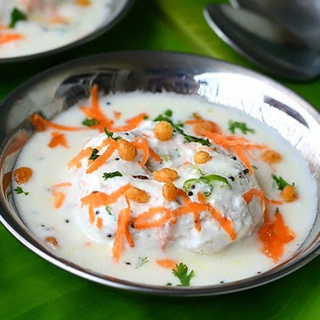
(201, 242)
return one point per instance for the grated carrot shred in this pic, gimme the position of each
(99, 223)
(166, 263)
(143, 145)
(41, 124)
(76, 161)
(147, 219)
(117, 114)
(154, 155)
(98, 199)
(248, 196)
(8, 35)
(83, 3)
(58, 139)
(201, 197)
(92, 215)
(131, 123)
(274, 235)
(95, 112)
(104, 157)
(122, 232)
(214, 127)
(58, 194)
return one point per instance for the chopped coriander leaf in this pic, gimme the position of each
(90, 122)
(19, 190)
(161, 117)
(281, 183)
(110, 134)
(168, 113)
(109, 210)
(179, 124)
(17, 15)
(94, 154)
(145, 117)
(233, 125)
(108, 175)
(181, 272)
(177, 128)
(204, 142)
(141, 262)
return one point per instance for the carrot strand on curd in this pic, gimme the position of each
(104, 157)
(41, 124)
(122, 232)
(58, 194)
(166, 263)
(274, 235)
(58, 139)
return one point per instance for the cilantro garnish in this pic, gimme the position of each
(90, 122)
(110, 135)
(19, 190)
(108, 175)
(204, 142)
(281, 183)
(233, 125)
(17, 15)
(177, 127)
(94, 154)
(168, 113)
(181, 272)
(141, 261)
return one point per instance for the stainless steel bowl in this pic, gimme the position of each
(118, 9)
(219, 82)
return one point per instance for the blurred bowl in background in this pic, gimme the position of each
(79, 34)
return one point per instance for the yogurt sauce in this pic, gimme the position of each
(90, 248)
(48, 24)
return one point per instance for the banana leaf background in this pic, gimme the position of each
(31, 288)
